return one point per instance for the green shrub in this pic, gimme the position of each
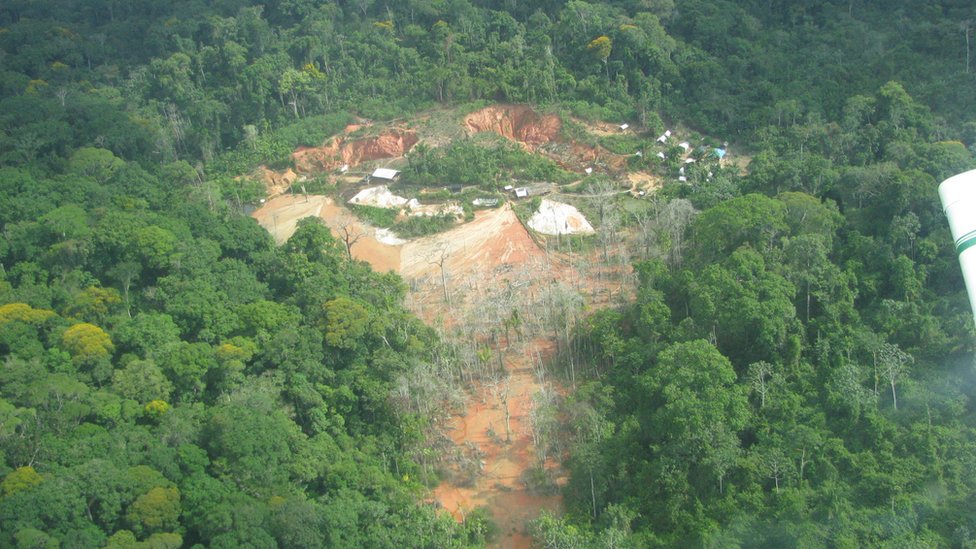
(624, 143)
(377, 217)
(417, 226)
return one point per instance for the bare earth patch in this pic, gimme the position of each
(391, 143)
(276, 183)
(380, 197)
(506, 455)
(643, 181)
(516, 122)
(493, 240)
(541, 133)
(280, 215)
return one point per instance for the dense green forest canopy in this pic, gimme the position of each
(162, 81)
(795, 368)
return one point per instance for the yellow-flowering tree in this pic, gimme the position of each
(602, 46)
(87, 343)
(24, 313)
(19, 479)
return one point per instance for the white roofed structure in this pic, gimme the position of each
(385, 173)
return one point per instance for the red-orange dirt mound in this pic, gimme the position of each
(389, 144)
(516, 122)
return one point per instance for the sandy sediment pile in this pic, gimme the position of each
(556, 218)
(495, 239)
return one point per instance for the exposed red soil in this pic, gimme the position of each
(483, 251)
(279, 215)
(516, 122)
(341, 150)
(541, 133)
(485, 260)
(500, 486)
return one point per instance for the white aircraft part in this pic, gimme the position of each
(958, 194)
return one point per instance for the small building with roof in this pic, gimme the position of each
(385, 173)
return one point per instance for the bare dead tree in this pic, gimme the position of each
(675, 218)
(894, 363)
(966, 27)
(440, 259)
(501, 389)
(350, 234)
(603, 192)
(759, 374)
(61, 93)
(776, 466)
(646, 240)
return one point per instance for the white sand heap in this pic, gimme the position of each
(381, 197)
(554, 218)
(386, 236)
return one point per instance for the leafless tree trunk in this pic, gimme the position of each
(967, 27)
(894, 363)
(350, 235)
(775, 464)
(440, 261)
(676, 217)
(759, 373)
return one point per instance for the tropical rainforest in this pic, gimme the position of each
(794, 367)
